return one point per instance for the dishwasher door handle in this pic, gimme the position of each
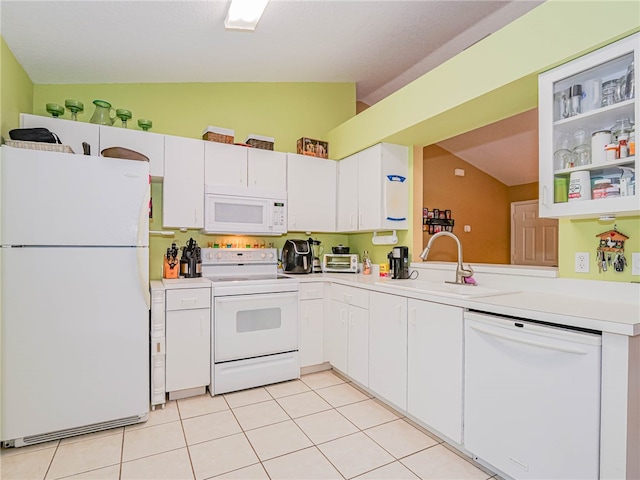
(549, 346)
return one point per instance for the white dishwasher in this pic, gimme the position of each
(532, 397)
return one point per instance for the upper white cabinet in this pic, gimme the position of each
(347, 214)
(311, 189)
(183, 190)
(146, 143)
(234, 165)
(381, 186)
(388, 347)
(435, 354)
(577, 100)
(71, 132)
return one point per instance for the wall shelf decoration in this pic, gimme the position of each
(610, 250)
(436, 220)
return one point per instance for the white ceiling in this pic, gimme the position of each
(380, 45)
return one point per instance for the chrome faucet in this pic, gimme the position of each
(461, 272)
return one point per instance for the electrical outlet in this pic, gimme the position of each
(582, 262)
(635, 263)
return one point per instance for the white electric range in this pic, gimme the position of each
(254, 334)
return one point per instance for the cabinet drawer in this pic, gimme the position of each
(310, 291)
(188, 298)
(353, 296)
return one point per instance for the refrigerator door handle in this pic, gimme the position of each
(143, 220)
(142, 255)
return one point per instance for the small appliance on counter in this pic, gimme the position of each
(191, 260)
(399, 262)
(170, 264)
(340, 262)
(297, 257)
(316, 250)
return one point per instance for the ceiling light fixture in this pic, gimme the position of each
(244, 14)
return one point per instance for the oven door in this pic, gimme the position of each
(248, 326)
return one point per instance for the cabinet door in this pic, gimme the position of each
(338, 331)
(388, 347)
(147, 143)
(71, 132)
(311, 190)
(358, 345)
(347, 218)
(183, 190)
(435, 354)
(188, 349)
(310, 346)
(267, 169)
(225, 164)
(369, 188)
(565, 184)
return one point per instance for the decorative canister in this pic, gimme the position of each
(599, 140)
(579, 186)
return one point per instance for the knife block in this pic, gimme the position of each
(170, 270)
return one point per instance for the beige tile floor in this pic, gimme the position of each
(318, 427)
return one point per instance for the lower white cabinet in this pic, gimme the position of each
(349, 326)
(435, 366)
(188, 338)
(388, 347)
(311, 324)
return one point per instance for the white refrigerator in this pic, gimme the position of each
(74, 294)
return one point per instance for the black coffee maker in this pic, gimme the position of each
(399, 262)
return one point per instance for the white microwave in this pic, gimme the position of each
(240, 210)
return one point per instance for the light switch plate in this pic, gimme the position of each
(582, 262)
(635, 263)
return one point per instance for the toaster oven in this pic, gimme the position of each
(340, 262)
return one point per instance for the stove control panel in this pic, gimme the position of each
(239, 256)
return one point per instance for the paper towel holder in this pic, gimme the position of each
(384, 239)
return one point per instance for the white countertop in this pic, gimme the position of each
(602, 306)
(621, 316)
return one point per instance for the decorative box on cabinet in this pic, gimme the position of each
(311, 190)
(380, 185)
(589, 71)
(183, 189)
(349, 332)
(311, 324)
(234, 165)
(71, 132)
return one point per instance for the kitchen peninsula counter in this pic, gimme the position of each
(572, 303)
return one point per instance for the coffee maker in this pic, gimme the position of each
(316, 249)
(399, 262)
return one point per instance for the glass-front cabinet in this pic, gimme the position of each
(587, 121)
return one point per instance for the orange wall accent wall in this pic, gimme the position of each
(477, 199)
(520, 193)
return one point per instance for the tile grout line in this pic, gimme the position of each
(186, 442)
(51, 461)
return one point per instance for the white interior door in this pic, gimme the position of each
(534, 240)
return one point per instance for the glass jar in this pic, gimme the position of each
(621, 127)
(609, 89)
(582, 155)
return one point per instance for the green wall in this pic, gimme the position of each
(492, 80)
(285, 111)
(16, 91)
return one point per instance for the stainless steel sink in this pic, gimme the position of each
(445, 289)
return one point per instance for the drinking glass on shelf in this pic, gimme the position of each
(582, 155)
(562, 159)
